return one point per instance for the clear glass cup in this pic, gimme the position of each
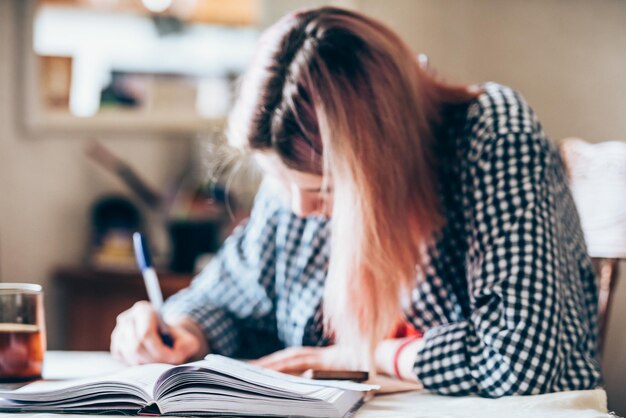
(22, 332)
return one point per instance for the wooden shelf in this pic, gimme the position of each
(92, 299)
(125, 120)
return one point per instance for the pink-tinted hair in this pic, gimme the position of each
(336, 93)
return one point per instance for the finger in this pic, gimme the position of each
(125, 346)
(133, 325)
(117, 336)
(152, 345)
(149, 347)
(141, 356)
(142, 305)
(290, 360)
(145, 318)
(185, 346)
(121, 340)
(282, 355)
(135, 352)
(268, 360)
(114, 347)
(295, 364)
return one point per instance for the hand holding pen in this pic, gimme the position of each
(141, 336)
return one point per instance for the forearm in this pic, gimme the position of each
(483, 358)
(215, 328)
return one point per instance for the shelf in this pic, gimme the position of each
(122, 121)
(91, 300)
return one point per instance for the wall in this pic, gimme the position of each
(47, 185)
(566, 56)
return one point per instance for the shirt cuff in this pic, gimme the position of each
(217, 326)
(442, 363)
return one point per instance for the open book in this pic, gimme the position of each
(216, 385)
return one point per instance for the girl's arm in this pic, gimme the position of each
(234, 293)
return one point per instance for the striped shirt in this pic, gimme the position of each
(507, 298)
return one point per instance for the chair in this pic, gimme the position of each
(597, 175)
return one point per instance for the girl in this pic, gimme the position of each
(412, 202)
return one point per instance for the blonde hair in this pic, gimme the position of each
(339, 94)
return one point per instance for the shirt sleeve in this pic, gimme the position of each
(514, 341)
(235, 292)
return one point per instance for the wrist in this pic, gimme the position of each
(405, 359)
(398, 355)
(191, 327)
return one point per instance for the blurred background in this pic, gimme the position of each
(111, 113)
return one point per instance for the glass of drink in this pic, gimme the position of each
(22, 332)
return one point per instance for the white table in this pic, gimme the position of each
(577, 404)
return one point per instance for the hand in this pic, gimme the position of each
(299, 359)
(136, 340)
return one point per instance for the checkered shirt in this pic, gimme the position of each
(507, 300)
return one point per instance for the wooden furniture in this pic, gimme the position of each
(90, 301)
(597, 174)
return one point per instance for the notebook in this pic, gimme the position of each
(215, 386)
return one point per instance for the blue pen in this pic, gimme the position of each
(152, 284)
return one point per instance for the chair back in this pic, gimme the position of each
(597, 176)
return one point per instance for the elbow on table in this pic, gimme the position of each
(517, 379)
(539, 373)
(513, 386)
(536, 377)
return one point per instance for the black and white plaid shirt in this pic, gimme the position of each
(507, 301)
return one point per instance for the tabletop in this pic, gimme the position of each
(415, 404)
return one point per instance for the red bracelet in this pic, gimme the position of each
(401, 347)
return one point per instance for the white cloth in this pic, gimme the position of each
(574, 404)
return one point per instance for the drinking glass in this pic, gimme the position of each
(22, 332)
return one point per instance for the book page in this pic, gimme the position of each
(254, 378)
(137, 380)
(224, 385)
(217, 385)
(253, 371)
(79, 364)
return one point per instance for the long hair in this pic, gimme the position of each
(336, 93)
